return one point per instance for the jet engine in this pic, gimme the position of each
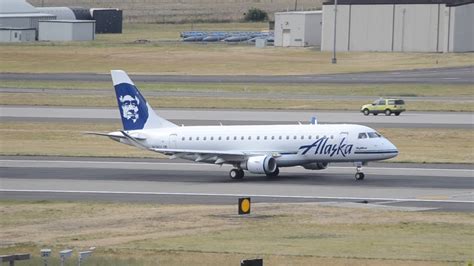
(315, 166)
(260, 164)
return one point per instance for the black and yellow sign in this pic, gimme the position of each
(244, 205)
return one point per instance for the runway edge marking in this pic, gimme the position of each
(227, 195)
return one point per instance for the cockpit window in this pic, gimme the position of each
(374, 135)
(362, 136)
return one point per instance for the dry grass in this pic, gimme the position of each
(166, 11)
(244, 102)
(430, 145)
(297, 234)
(117, 51)
(244, 89)
(210, 60)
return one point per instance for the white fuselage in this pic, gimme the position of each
(291, 145)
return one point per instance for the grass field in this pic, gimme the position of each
(159, 56)
(244, 102)
(374, 90)
(66, 139)
(282, 234)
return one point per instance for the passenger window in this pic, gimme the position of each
(273, 137)
(220, 138)
(258, 137)
(212, 138)
(227, 138)
(302, 137)
(197, 138)
(332, 137)
(235, 137)
(362, 136)
(309, 137)
(280, 137)
(265, 138)
(317, 137)
(183, 138)
(190, 138)
(242, 138)
(294, 137)
(204, 138)
(250, 138)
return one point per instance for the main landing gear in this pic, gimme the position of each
(359, 174)
(236, 173)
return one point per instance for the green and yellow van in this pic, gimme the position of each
(386, 106)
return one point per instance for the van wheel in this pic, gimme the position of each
(388, 112)
(366, 111)
(375, 113)
(397, 114)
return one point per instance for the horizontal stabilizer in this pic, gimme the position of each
(111, 135)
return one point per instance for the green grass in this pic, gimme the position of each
(424, 145)
(160, 56)
(282, 234)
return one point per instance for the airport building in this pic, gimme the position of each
(399, 25)
(66, 30)
(298, 28)
(18, 18)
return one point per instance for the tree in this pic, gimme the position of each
(255, 14)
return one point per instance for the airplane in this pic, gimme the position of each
(258, 149)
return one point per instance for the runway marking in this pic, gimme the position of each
(229, 195)
(206, 165)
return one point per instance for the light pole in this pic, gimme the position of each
(334, 60)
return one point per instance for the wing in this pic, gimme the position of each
(209, 156)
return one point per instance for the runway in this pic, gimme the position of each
(455, 75)
(234, 117)
(398, 186)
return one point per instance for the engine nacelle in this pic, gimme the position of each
(315, 166)
(260, 164)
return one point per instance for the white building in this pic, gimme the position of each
(387, 25)
(67, 30)
(17, 35)
(20, 14)
(298, 28)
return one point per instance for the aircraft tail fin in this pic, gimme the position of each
(135, 112)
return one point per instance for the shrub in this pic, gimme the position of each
(255, 14)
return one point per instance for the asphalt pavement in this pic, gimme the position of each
(454, 75)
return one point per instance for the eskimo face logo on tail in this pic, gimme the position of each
(132, 105)
(129, 107)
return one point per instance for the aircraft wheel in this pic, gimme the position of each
(359, 176)
(236, 174)
(275, 173)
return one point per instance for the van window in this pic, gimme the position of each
(381, 102)
(391, 102)
(399, 102)
(362, 136)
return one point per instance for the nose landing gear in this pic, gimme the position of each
(359, 174)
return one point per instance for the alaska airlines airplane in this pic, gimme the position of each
(259, 149)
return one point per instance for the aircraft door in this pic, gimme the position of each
(173, 141)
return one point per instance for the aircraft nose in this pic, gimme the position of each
(389, 146)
